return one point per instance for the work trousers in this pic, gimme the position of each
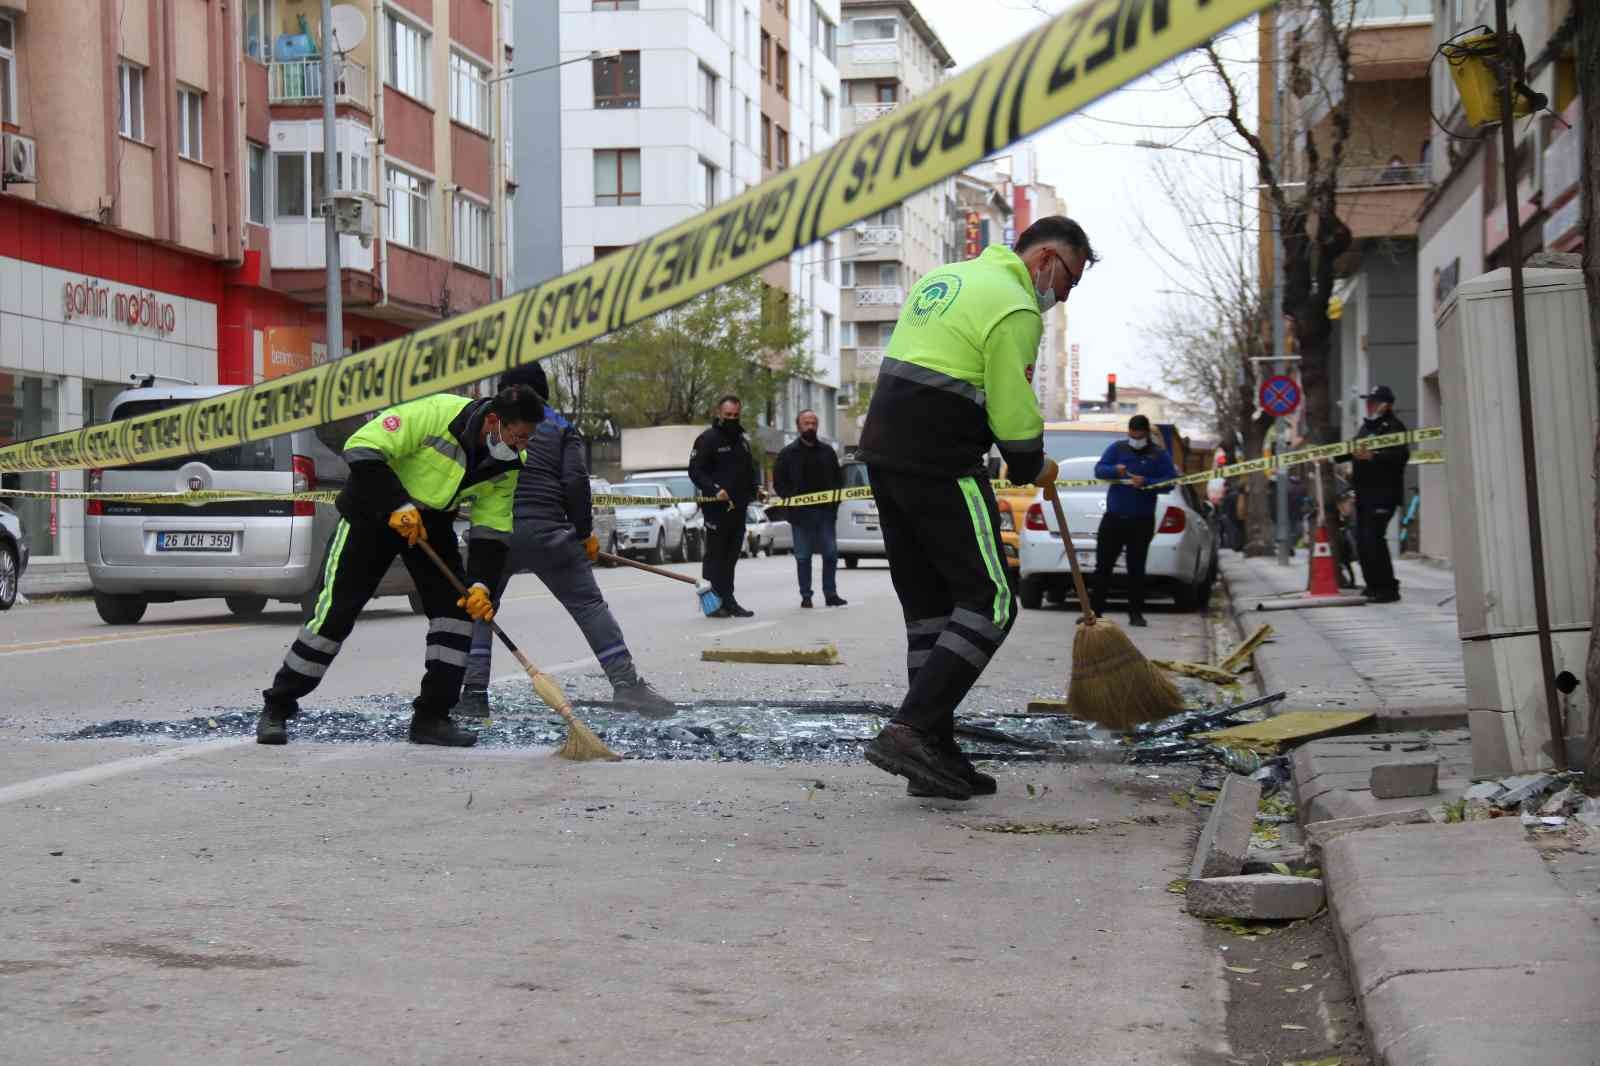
(358, 556)
(1117, 534)
(815, 532)
(555, 554)
(724, 541)
(948, 568)
(1372, 544)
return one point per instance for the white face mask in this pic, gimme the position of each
(1047, 300)
(1138, 444)
(502, 451)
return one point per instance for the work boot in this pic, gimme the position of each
(916, 756)
(1392, 596)
(739, 610)
(474, 703)
(1136, 619)
(835, 600)
(980, 783)
(439, 730)
(637, 696)
(273, 726)
(805, 601)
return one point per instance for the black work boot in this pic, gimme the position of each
(474, 703)
(980, 783)
(739, 610)
(1136, 618)
(836, 600)
(273, 726)
(637, 696)
(440, 730)
(805, 601)
(917, 756)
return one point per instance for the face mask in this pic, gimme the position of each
(809, 436)
(500, 449)
(730, 425)
(1138, 444)
(1047, 299)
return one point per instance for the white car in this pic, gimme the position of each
(654, 530)
(856, 530)
(1182, 561)
(694, 519)
(763, 533)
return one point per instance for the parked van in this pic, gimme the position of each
(246, 552)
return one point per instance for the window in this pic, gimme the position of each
(8, 69)
(827, 258)
(766, 142)
(191, 125)
(888, 92)
(290, 183)
(408, 214)
(616, 81)
(130, 100)
(874, 29)
(711, 13)
(708, 94)
(614, 5)
(827, 111)
(780, 70)
(748, 41)
(780, 146)
(766, 56)
(471, 226)
(847, 334)
(408, 57)
(603, 250)
(708, 175)
(616, 177)
(827, 333)
(469, 92)
(748, 139)
(888, 274)
(847, 276)
(889, 216)
(825, 34)
(257, 167)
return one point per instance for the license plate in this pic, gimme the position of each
(194, 542)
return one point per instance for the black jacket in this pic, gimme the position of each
(722, 460)
(801, 468)
(553, 485)
(1380, 481)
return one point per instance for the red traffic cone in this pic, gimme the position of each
(1324, 574)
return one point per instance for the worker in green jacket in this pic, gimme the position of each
(954, 382)
(410, 469)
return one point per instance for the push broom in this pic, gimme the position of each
(582, 745)
(1112, 684)
(710, 602)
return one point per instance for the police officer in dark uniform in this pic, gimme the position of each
(1379, 481)
(723, 465)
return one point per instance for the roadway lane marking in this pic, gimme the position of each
(65, 643)
(115, 768)
(753, 626)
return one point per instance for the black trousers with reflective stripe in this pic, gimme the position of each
(358, 556)
(956, 592)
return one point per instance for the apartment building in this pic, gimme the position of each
(701, 100)
(160, 212)
(888, 55)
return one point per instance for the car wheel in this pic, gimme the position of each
(8, 577)
(697, 547)
(1031, 592)
(851, 561)
(1187, 597)
(246, 606)
(120, 610)
(681, 553)
(656, 555)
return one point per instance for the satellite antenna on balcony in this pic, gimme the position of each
(349, 28)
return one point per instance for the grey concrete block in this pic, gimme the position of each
(1261, 862)
(1411, 777)
(1483, 790)
(1319, 833)
(1225, 842)
(1255, 896)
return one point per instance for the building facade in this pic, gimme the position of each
(173, 227)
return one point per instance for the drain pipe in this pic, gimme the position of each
(381, 217)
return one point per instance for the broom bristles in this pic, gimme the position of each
(1113, 684)
(582, 745)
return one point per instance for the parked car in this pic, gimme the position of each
(763, 533)
(1013, 506)
(1182, 560)
(856, 529)
(654, 530)
(13, 556)
(247, 552)
(694, 519)
(605, 517)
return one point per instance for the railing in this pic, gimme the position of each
(880, 296)
(875, 52)
(300, 81)
(878, 235)
(1393, 174)
(869, 357)
(865, 113)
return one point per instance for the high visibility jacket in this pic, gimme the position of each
(954, 379)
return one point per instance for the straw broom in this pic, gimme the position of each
(1112, 683)
(581, 745)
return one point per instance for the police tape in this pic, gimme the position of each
(1093, 48)
(1318, 453)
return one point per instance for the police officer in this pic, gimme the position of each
(1379, 480)
(1129, 524)
(723, 465)
(410, 469)
(953, 382)
(554, 537)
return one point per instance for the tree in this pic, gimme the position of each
(1589, 88)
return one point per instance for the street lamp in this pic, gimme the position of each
(587, 57)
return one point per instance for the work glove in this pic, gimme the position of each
(1046, 478)
(407, 521)
(477, 603)
(591, 547)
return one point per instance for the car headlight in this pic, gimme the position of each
(1007, 523)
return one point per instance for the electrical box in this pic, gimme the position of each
(354, 215)
(1488, 502)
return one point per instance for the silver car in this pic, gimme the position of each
(857, 530)
(654, 528)
(13, 556)
(605, 517)
(694, 520)
(246, 552)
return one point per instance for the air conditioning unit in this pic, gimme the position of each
(355, 214)
(20, 158)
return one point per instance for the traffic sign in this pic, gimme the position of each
(1280, 396)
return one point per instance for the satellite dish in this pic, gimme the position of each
(349, 27)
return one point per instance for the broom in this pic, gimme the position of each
(710, 602)
(582, 745)
(1112, 684)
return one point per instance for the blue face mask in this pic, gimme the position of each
(498, 448)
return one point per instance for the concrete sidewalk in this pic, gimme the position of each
(54, 580)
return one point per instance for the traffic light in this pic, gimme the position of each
(1111, 388)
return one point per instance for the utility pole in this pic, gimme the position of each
(334, 328)
(1281, 425)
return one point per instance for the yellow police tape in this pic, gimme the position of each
(1071, 60)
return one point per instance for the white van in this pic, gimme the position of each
(246, 552)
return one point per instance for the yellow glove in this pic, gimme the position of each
(477, 604)
(407, 521)
(591, 547)
(1046, 478)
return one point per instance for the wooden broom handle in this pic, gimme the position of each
(1054, 497)
(623, 560)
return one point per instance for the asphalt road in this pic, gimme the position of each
(357, 903)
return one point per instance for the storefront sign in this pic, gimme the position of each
(974, 234)
(91, 298)
(288, 350)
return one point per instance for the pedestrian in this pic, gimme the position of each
(1232, 529)
(1129, 524)
(805, 466)
(952, 384)
(1379, 480)
(410, 469)
(553, 536)
(723, 465)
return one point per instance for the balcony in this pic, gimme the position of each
(1364, 177)
(880, 296)
(877, 236)
(872, 52)
(869, 358)
(300, 82)
(865, 113)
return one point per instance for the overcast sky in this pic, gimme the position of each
(1091, 160)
